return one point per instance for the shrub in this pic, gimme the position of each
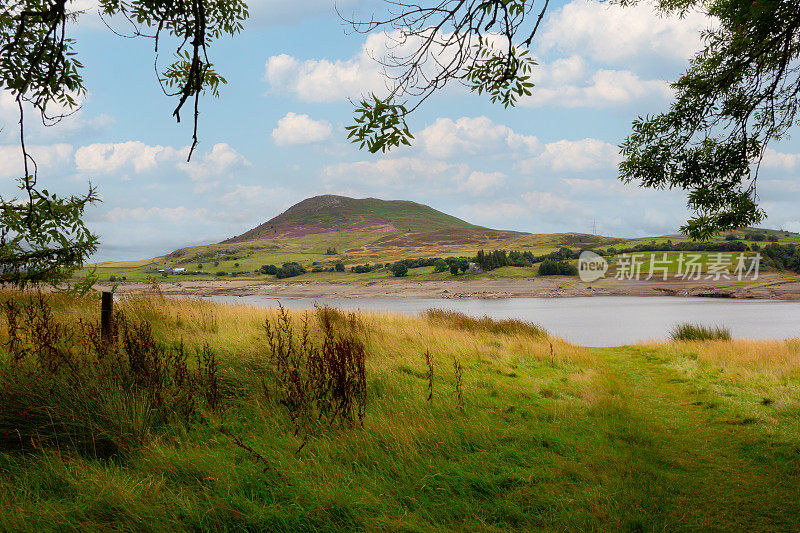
(731, 237)
(216, 263)
(339, 267)
(200, 266)
(289, 270)
(440, 265)
(221, 273)
(236, 265)
(269, 269)
(330, 251)
(399, 270)
(112, 278)
(550, 267)
(454, 269)
(698, 332)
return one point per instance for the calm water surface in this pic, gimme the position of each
(593, 321)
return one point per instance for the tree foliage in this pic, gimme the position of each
(739, 94)
(44, 237)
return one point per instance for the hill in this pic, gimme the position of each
(327, 213)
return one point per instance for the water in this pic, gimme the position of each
(592, 321)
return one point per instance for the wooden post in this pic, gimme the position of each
(106, 309)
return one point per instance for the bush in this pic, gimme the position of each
(221, 273)
(290, 270)
(236, 265)
(200, 266)
(731, 237)
(339, 267)
(697, 332)
(269, 269)
(216, 263)
(439, 265)
(550, 267)
(454, 269)
(399, 270)
(330, 251)
(112, 279)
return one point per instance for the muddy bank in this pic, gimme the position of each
(769, 286)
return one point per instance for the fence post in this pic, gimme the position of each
(106, 309)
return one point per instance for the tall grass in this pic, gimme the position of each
(698, 332)
(65, 386)
(507, 326)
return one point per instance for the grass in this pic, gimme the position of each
(670, 436)
(699, 332)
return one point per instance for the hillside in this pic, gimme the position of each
(328, 213)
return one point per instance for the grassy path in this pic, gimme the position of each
(697, 459)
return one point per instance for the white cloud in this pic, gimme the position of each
(109, 158)
(472, 136)
(483, 182)
(324, 80)
(220, 162)
(605, 88)
(396, 174)
(76, 123)
(778, 160)
(583, 155)
(498, 212)
(45, 156)
(139, 158)
(175, 215)
(301, 129)
(547, 201)
(612, 34)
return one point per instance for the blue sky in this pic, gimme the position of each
(276, 135)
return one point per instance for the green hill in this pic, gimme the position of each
(326, 213)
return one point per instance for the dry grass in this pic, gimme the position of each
(761, 356)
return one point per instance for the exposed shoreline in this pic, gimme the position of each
(769, 286)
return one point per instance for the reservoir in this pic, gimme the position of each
(585, 321)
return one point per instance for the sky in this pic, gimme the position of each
(276, 133)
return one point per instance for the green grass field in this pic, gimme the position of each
(545, 435)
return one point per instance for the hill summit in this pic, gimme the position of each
(331, 213)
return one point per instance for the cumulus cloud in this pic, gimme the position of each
(46, 157)
(583, 155)
(301, 129)
(179, 214)
(220, 162)
(482, 182)
(472, 136)
(613, 34)
(77, 123)
(547, 201)
(323, 80)
(396, 174)
(571, 85)
(136, 156)
(777, 160)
